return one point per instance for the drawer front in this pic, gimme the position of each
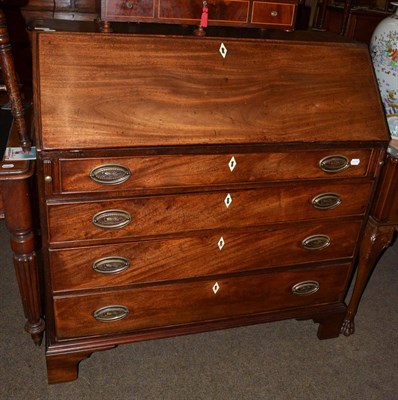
(273, 13)
(159, 215)
(224, 252)
(146, 172)
(190, 302)
(218, 10)
(134, 9)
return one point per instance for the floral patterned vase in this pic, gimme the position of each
(384, 52)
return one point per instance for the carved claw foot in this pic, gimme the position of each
(348, 327)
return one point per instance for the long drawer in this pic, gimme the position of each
(143, 172)
(168, 214)
(190, 302)
(204, 255)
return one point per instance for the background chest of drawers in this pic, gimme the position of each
(279, 14)
(190, 184)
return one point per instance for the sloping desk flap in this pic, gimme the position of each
(100, 91)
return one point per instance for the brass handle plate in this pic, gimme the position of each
(111, 313)
(305, 288)
(274, 13)
(316, 242)
(111, 219)
(334, 163)
(326, 201)
(111, 265)
(129, 4)
(110, 174)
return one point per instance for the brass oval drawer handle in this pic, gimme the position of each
(110, 174)
(274, 13)
(111, 219)
(111, 265)
(334, 163)
(326, 201)
(129, 4)
(111, 313)
(305, 288)
(316, 242)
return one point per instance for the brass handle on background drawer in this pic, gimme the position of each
(326, 201)
(305, 288)
(274, 13)
(129, 4)
(111, 265)
(111, 313)
(110, 174)
(316, 242)
(334, 163)
(111, 219)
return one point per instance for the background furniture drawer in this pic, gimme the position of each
(145, 172)
(273, 13)
(218, 10)
(113, 9)
(212, 254)
(190, 302)
(159, 215)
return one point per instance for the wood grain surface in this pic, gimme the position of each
(99, 91)
(201, 255)
(194, 170)
(170, 214)
(172, 304)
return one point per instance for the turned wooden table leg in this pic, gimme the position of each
(376, 239)
(17, 209)
(320, 19)
(10, 79)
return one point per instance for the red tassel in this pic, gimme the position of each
(205, 17)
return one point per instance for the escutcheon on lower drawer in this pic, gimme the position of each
(190, 302)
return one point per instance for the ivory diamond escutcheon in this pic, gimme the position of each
(232, 164)
(216, 287)
(228, 200)
(223, 50)
(221, 243)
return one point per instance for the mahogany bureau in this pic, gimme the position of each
(190, 184)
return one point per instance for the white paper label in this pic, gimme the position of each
(16, 153)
